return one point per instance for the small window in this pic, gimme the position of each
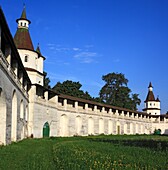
(21, 23)
(26, 58)
(150, 104)
(25, 24)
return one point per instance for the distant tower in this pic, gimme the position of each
(152, 105)
(32, 60)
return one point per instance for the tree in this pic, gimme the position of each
(72, 89)
(46, 80)
(115, 92)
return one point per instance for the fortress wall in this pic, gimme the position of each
(70, 120)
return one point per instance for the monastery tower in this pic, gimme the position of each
(152, 105)
(31, 59)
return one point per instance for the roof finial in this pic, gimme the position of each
(38, 48)
(150, 84)
(23, 16)
(157, 99)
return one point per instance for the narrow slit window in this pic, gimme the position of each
(26, 58)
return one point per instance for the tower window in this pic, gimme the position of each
(21, 23)
(26, 58)
(25, 24)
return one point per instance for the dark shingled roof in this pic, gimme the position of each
(22, 39)
(150, 96)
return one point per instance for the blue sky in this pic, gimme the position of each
(85, 39)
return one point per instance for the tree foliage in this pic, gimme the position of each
(116, 92)
(46, 80)
(71, 88)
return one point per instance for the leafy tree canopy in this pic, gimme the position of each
(46, 80)
(116, 92)
(71, 88)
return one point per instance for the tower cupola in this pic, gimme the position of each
(23, 22)
(22, 37)
(152, 105)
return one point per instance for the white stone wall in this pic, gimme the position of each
(11, 127)
(65, 120)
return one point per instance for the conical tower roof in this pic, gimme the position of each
(38, 49)
(150, 95)
(22, 37)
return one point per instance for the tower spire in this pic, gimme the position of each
(23, 15)
(150, 96)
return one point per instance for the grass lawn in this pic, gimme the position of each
(87, 153)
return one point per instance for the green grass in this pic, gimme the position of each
(86, 153)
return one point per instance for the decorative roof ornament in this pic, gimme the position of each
(150, 85)
(38, 49)
(157, 99)
(23, 15)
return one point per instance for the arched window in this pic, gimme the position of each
(21, 110)
(26, 58)
(3, 113)
(21, 24)
(25, 24)
(90, 126)
(14, 117)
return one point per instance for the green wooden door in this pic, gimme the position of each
(118, 130)
(46, 130)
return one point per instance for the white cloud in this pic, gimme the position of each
(86, 57)
(89, 46)
(76, 49)
(117, 60)
(61, 77)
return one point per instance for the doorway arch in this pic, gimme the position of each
(46, 130)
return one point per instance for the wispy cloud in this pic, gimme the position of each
(116, 60)
(76, 49)
(60, 48)
(89, 46)
(86, 57)
(61, 77)
(83, 55)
